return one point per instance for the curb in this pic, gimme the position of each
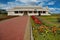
(27, 30)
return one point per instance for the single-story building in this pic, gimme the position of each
(28, 10)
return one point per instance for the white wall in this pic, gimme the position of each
(14, 14)
(30, 14)
(45, 13)
(11, 13)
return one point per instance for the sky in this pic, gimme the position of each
(53, 5)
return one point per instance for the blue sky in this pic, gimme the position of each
(53, 5)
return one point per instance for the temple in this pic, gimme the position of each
(28, 10)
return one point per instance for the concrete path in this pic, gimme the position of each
(13, 29)
(27, 31)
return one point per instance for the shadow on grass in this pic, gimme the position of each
(58, 20)
(4, 17)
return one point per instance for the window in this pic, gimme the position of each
(30, 11)
(44, 11)
(25, 11)
(35, 11)
(16, 11)
(39, 11)
(20, 11)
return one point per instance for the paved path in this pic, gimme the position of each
(27, 35)
(13, 29)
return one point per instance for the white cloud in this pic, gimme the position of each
(19, 3)
(10, 5)
(41, 4)
(1, 5)
(26, 1)
(29, 2)
(32, 0)
(23, 2)
(54, 10)
(51, 3)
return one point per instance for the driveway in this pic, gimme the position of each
(13, 29)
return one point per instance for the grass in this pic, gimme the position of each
(53, 19)
(47, 21)
(5, 16)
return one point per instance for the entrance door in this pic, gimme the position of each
(25, 12)
(39, 13)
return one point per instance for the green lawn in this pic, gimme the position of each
(5, 16)
(49, 21)
(53, 19)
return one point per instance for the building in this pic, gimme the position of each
(28, 10)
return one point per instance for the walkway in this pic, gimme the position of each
(13, 29)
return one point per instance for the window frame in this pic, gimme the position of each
(16, 12)
(35, 11)
(20, 11)
(39, 11)
(44, 11)
(30, 11)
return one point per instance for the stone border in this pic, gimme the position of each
(32, 38)
(27, 31)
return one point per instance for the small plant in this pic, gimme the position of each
(54, 29)
(41, 29)
(45, 30)
(37, 21)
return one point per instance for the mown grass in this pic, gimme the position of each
(49, 21)
(5, 16)
(53, 19)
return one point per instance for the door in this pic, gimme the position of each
(39, 12)
(25, 12)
